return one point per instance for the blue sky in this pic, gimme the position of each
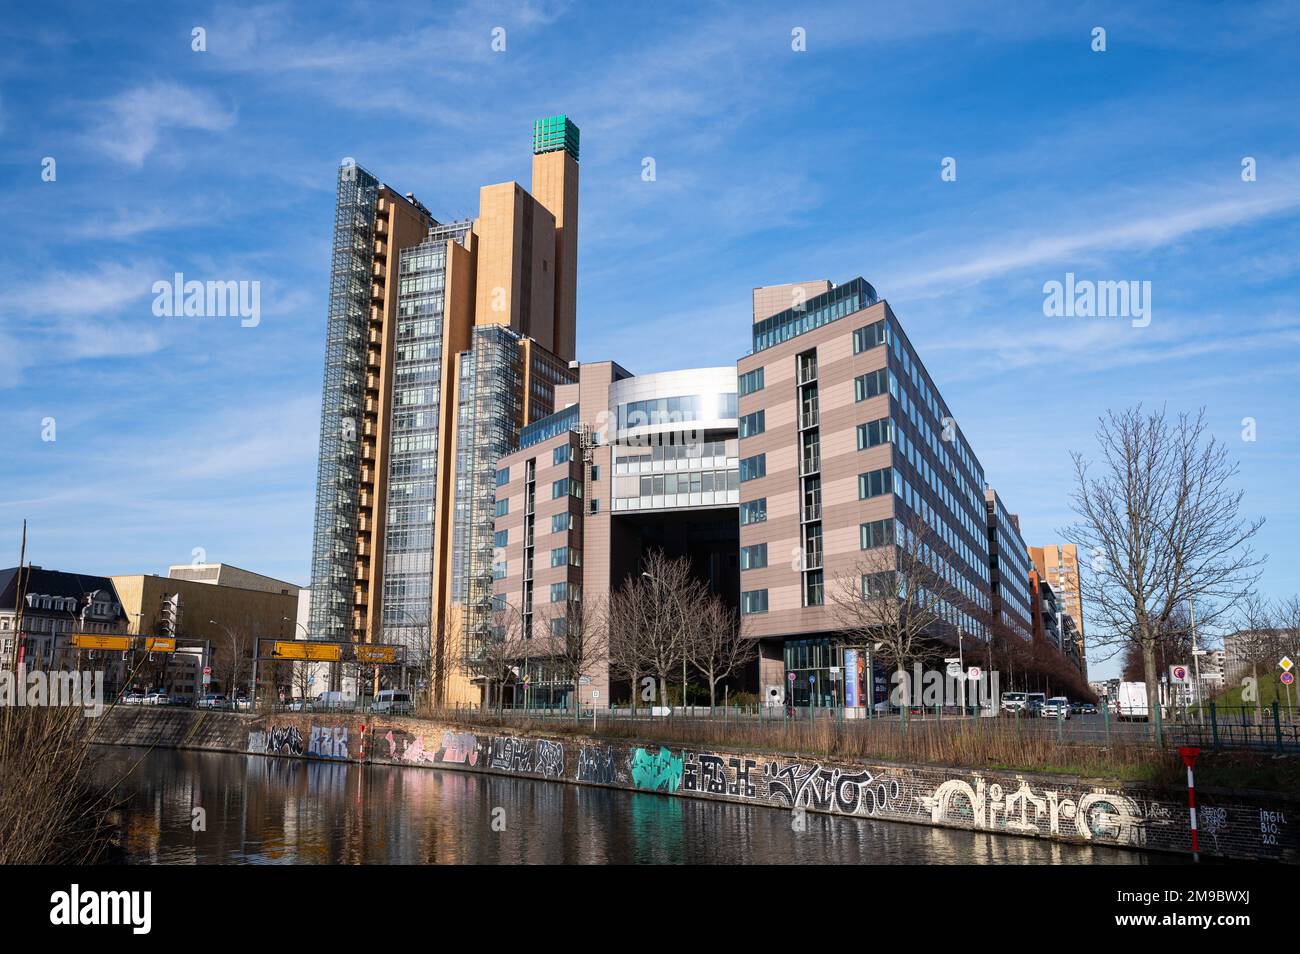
(772, 165)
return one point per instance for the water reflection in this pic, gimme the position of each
(271, 811)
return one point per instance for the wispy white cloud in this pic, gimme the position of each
(130, 125)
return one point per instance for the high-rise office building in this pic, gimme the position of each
(1058, 564)
(443, 341)
(851, 447)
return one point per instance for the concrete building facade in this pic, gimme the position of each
(852, 446)
(629, 463)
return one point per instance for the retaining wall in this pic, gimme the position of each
(1254, 826)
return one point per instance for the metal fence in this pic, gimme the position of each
(1264, 728)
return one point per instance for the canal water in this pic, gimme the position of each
(259, 810)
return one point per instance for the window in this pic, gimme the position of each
(559, 592)
(875, 433)
(565, 487)
(753, 511)
(752, 424)
(753, 557)
(878, 585)
(878, 533)
(595, 472)
(753, 601)
(595, 505)
(560, 455)
(874, 483)
(503, 476)
(869, 337)
(872, 384)
(753, 467)
(501, 539)
(559, 627)
(503, 507)
(566, 556)
(561, 522)
(499, 570)
(751, 381)
(813, 588)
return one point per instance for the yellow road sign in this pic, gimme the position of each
(302, 649)
(376, 654)
(93, 641)
(160, 644)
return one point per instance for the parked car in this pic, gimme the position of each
(393, 702)
(133, 699)
(1034, 702)
(1013, 702)
(1057, 707)
(157, 698)
(212, 700)
(242, 704)
(1087, 708)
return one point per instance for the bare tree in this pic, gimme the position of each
(574, 637)
(666, 608)
(718, 647)
(898, 598)
(496, 655)
(1159, 515)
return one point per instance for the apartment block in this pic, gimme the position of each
(1059, 565)
(850, 446)
(444, 340)
(626, 464)
(1011, 606)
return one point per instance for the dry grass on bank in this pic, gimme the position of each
(49, 813)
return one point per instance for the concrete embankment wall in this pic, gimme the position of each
(1065, 808)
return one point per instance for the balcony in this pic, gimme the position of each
(807, 370)
(812, 557)
(808, 417)
(811, 463)
(812, 512)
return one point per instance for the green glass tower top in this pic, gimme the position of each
(555, 133)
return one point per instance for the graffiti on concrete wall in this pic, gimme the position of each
(827, 788)
(460, 748)
(329, 742)
(718, 774)
(656, 771)
(1212, 820)
(1100, 815)
(530, 756)
(599, 765)
(256, 741)
(283, 740)
(1271, 824)
(549, 759)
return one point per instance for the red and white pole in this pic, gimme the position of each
(1189, 755)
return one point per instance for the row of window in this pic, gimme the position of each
(673, 410)
(750, 381)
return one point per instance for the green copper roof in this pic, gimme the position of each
(555, 133)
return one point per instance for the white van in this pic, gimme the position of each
(394, 702)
